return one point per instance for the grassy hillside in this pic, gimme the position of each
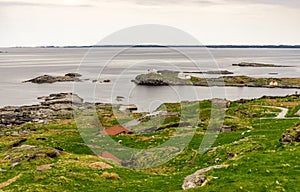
(256, 159)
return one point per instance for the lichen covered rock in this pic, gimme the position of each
(22, 153)
(198, 178)
(290, 135)
(193, 181)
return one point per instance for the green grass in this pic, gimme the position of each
(260, 162)
(293, 110)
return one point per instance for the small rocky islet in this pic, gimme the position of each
(252, 64)
(69, 77)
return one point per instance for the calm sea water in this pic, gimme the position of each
(122, 65)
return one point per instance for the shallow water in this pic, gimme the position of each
(121, 66)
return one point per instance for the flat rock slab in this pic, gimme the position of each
(198, 178)
(42, 168)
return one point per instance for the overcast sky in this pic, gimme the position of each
(85, 22)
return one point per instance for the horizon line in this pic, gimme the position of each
(154, 45)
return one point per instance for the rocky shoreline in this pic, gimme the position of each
(53, 107)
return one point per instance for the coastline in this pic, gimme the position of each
(61, 106)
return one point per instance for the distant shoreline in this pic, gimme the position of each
(178, 46)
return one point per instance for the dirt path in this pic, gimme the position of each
(282, 114)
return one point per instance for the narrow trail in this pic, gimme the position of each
(282, 114)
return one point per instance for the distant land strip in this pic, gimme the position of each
(187, 46)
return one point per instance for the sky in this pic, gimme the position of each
(86, 22)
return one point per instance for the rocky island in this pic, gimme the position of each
(249, 64)
(164, 79)
(69, 77)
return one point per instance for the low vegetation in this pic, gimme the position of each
(255, 157)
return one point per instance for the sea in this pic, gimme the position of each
(121, 65)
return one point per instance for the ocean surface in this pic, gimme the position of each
(121, 65)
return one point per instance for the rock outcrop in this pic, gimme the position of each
(198, 178)
(53, 107)
(290, 135)
(193, 181)
(27, 152)
(155, 79)
(69, 77)
(73, 75)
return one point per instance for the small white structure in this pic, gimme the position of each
(188, 77)
(128, 108)
(154, 114)
(162, 114)
(181, 75)
(152, 71)
(184, 76)
(273, 83)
